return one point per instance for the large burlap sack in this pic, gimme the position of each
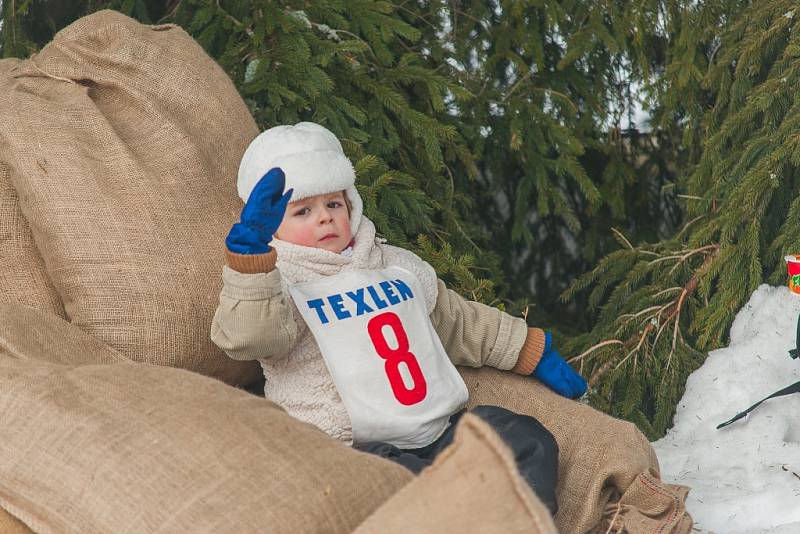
(123, 142)
(607, 470)
(472, 486)
(23, 278)
(130, 447)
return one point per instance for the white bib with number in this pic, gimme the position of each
(387, 362)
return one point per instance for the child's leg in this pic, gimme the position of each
(409, 460)
(413, 459)
(534, 447)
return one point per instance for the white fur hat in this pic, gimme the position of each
(312, 159)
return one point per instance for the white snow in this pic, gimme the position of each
(744, 478)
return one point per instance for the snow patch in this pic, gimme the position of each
(744, 478)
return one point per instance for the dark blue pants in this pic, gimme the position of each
(534, 448)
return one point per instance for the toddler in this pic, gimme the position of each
(359, 337)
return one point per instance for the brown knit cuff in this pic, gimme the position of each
(251, 263)
(531, 352)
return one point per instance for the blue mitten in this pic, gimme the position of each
(557, 374)
(261, 216)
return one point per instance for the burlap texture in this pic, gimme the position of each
(24, 279)
(607, 469)
(123, 142)
(11, 525)
(132, 447)
(648, 505)
(30, 334)
(472, 486)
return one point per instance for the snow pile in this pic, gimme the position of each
(744, 478)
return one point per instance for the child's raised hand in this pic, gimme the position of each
(261, 216)
(557, 374)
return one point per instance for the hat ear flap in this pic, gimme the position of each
(356, 208)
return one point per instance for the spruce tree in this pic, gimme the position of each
(663, 305)
(549, 126)
(480, 126)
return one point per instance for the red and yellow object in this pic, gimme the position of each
(793, 266)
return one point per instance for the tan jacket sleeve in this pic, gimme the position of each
(474, 334)
(254, 319)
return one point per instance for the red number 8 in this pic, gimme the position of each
(394, 357)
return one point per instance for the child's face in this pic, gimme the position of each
(321, 221)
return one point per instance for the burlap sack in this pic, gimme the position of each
(136, 448)
(607, 470)
(23, 277)
(123, 142)
(143, 419)
(473, 486)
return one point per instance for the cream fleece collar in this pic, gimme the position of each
(298, 263)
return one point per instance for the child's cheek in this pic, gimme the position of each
(346, 233)
(304, 235)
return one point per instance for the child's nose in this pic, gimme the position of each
(325, 215)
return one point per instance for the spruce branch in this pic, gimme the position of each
(233, 19)
(593, 348)
(655, 319)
